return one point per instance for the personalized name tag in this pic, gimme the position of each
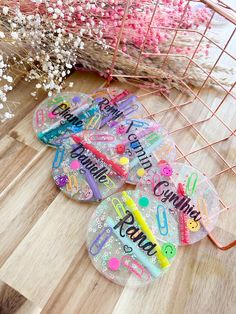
(59, 116)
(187, 195)
(86, 167)
(144, 142)
(125, 239)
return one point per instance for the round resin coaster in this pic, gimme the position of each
(188, 195)
(124, 242)
(115, 105)
(145, 142)
(59, 116)
(87, 168)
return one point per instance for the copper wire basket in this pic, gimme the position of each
(211, 149)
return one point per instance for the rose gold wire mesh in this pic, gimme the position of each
(211, 147)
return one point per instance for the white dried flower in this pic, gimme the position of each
(5, 10)
(14, 35)
(2, 35)
(9, 79)
(8, 115)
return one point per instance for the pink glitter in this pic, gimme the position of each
(75, 165)
(114, 263)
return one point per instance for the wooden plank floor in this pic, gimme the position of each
(11, 301)
(43, 255)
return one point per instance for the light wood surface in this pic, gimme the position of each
(43, 255)
(11, 301)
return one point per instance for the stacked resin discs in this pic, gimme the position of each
(101, 144)
(58, 117)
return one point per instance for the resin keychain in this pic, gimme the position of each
(145, 142)
(59, 116)
(185, 194)
(123, 239)
(87, 168)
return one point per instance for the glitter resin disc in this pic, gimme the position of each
(145, 142)
(123, 240)
(63, 114)
(86, 167)
(186, 195)
(115, 105)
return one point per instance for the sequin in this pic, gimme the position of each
(61, 180)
